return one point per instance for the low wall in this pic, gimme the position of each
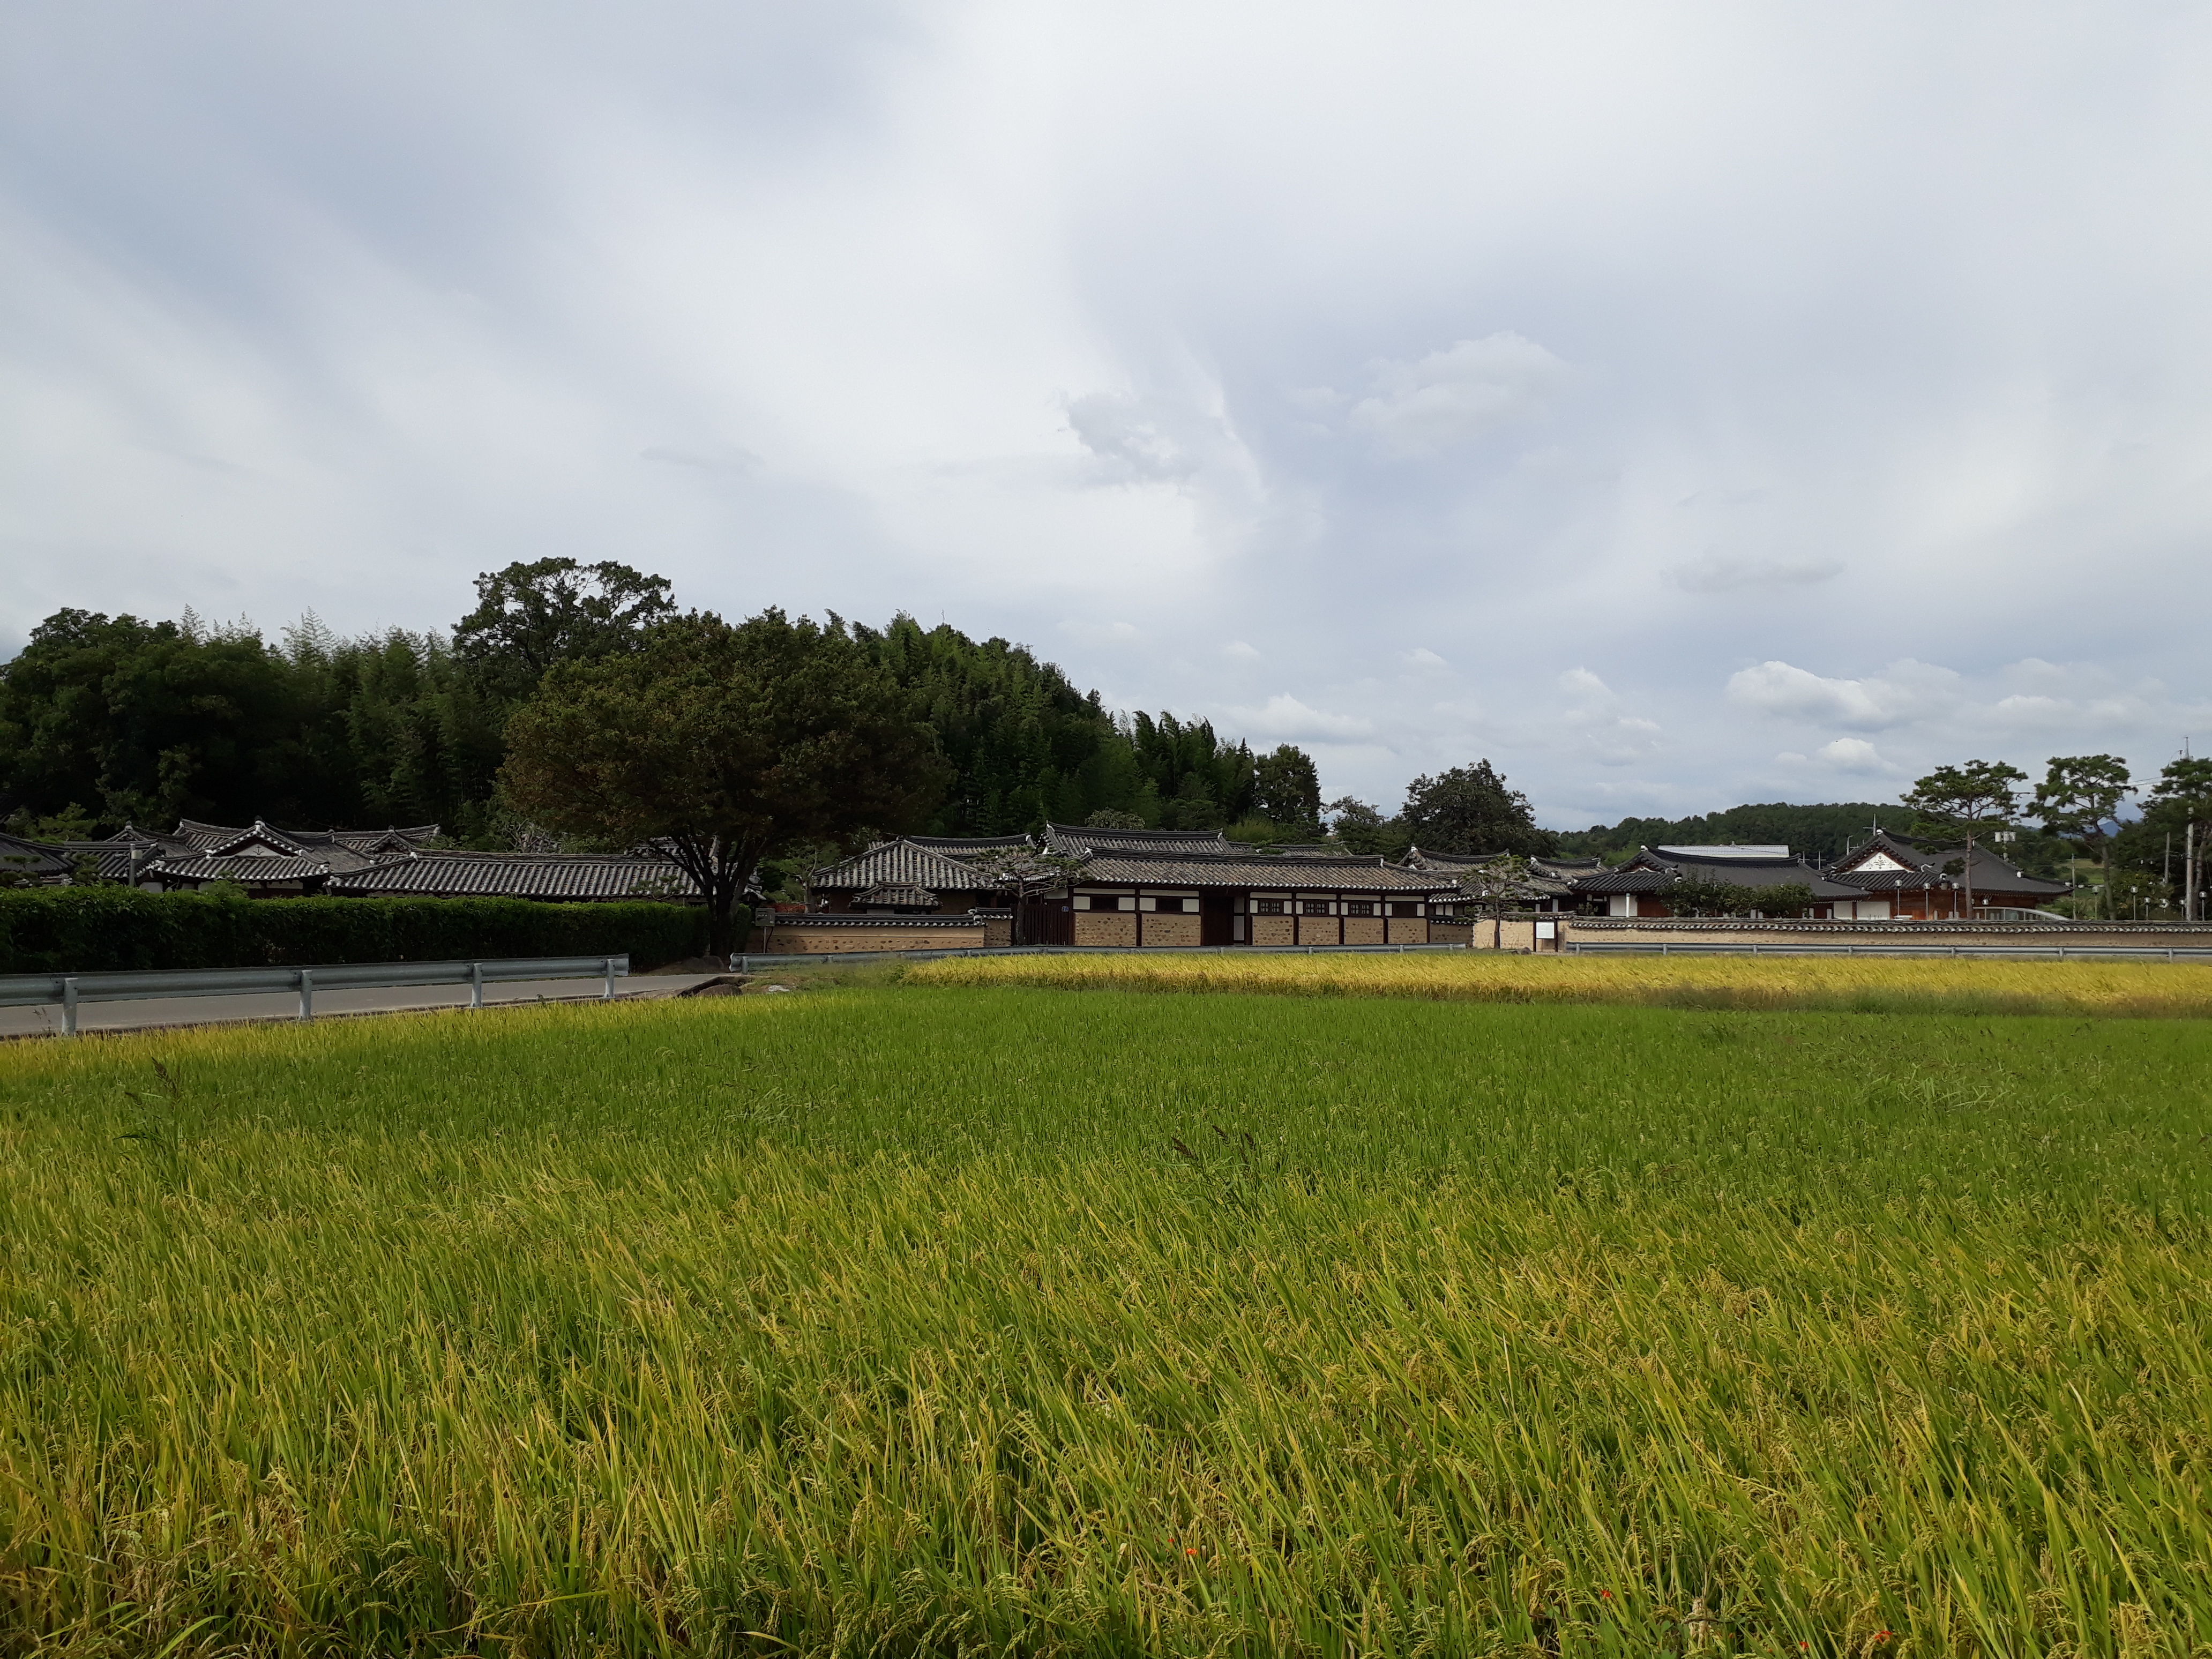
(1879, 935)
(820, 935)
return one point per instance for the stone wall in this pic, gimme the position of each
(1273, 933)
(799, 937)
(1409, 930)
(1364, 930)
(1172, 929)
(1105, 928)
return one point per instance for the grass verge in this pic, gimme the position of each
(937, 1321)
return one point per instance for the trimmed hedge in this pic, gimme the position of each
(83, 930)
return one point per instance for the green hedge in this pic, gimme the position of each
(91, 929)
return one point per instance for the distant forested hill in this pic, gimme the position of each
(1820, 832)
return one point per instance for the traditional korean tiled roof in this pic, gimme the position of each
(1310, 849)
(1540, 879)
(1077, 840)
(36, 860)
(250, 870)
(970, 847)
(442, 874)
(1244, 870)
(904, 863)
(111, 858)
(213, 837)
(911, 898)
(333, 851)
(1654, 869)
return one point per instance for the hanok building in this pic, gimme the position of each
(1140, 888)
(1908, 880)
(395, 863)
(1639, 887)
(1545, 884)
(914, 875)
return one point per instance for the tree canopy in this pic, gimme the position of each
(722, 743)
(530, 617)
(1472, 809)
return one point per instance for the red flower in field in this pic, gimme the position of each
(1607, 1594)
(1190, 1552)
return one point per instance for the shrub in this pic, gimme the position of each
(95, 929)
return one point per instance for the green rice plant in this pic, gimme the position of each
(2137, 990)
(923, 1322)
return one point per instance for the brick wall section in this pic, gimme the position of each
(1170, 929)
(1272, 932)
(1410, 930)
(822, 941)
(1096, 928)
(1319, 930)
(1364, 930)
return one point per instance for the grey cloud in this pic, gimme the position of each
(1453, 396)
(1717, 572)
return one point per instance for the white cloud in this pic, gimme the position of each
(1717, 572)
(1905, 692)
(1287, 719)
(1238, 651)
(1451, 397)
(1422, 657)
(1854, 755)
(1149, 441)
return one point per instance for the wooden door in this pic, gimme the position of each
(1216, 918)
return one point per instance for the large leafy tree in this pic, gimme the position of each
(2080, 796)
(1361, 828)
(1967, 801)
(127, 718)
(1286, 788)
(531, 616)
(1470, 809)
(723, 744)
(2181, 803)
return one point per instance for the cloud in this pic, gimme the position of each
(1238, 651)
(1148, 441)
(1288, 720)
(1451, 397)
(1599, 719)
(1854, 755)
(727, 460)
(1422, 657)
(1717, 572)
(1905, 692)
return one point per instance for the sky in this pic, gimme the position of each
(1677, 404)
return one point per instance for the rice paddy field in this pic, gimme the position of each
(986, 1318)
(2149, 990)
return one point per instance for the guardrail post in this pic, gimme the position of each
(609, 996)
(306, 994)
(475, 986)
(69, 1005)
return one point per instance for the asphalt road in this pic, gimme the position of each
(143, 1013)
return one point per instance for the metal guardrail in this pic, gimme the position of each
(35, 990)
(2038, 952)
